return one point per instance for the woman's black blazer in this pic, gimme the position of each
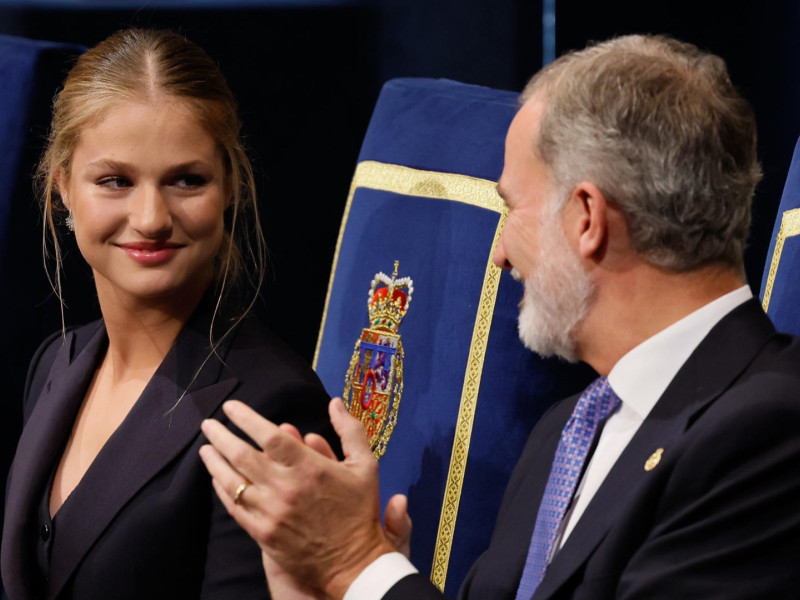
(144, 522)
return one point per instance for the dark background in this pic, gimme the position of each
(307, 73)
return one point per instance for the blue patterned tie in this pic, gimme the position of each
(594, 405)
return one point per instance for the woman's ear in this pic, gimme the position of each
(590, 218)
(62, 183)
(229, 199)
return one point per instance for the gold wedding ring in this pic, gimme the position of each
(237, 495)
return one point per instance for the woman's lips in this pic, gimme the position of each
(150, 254)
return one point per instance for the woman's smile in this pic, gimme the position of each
(146, 193)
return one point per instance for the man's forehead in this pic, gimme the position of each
(524, 127)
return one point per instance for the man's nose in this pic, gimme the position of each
(499, 256)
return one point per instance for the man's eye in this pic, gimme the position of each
(190, 181)
(114, 182)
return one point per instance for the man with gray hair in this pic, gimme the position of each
(629, 173)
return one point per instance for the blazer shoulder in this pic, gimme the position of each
(259, 353)
(277, 382)
(781, 355)
(768, 389)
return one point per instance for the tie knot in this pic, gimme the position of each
(596, 403)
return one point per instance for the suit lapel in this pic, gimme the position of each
(157, 429)
(43, 439)
(711, 369)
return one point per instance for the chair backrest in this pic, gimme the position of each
(30, 73)
(419, 332)
(780, 285)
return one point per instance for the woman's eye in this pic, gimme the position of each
(190, 181)
(114, 182)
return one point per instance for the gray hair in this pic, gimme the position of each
(658, 126)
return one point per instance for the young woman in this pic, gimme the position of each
(107, 496)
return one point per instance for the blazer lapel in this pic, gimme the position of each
(716, 363)
(158, 428)
(42, 442)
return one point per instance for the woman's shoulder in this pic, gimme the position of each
(276, 381)
(258, 349)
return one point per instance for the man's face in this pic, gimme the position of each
(525, 186)
(558, 294)
(558, 291)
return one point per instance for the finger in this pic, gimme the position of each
(219, 468)
(245, 513)
(280, 446)
(249, 421)
(242, 456)
(397, 512)
(354, 439)
(291, 430)
(320, 445)
(397, 523)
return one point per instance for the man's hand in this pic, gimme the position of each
(283, 587)
(317, 518)
(397, 524)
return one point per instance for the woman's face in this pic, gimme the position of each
(147, 194)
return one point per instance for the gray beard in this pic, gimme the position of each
(558, 294)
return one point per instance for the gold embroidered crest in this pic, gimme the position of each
(373, 384)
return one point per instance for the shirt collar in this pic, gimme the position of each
(642, 375)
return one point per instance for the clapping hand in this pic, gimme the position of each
(316, 519)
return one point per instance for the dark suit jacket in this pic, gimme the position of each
(144, 522)
(718, 517)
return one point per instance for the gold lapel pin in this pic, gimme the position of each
(654, 459)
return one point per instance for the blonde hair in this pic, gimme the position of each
(141, 65)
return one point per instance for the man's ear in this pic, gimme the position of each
(589, 218)
(62, 182)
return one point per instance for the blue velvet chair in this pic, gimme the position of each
(30, 72)
(419, 332)
(780, 285)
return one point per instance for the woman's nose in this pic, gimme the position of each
(150, 213)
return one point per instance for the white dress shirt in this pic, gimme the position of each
(639, 379)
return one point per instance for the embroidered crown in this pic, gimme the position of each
(388, 301)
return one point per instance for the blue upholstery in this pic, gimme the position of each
(780, 286)
(424, 194)
(30, 72)
(27, 78)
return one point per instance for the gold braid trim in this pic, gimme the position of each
(790, 226)
(410, 182)
(475, 192)
(466, 416)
